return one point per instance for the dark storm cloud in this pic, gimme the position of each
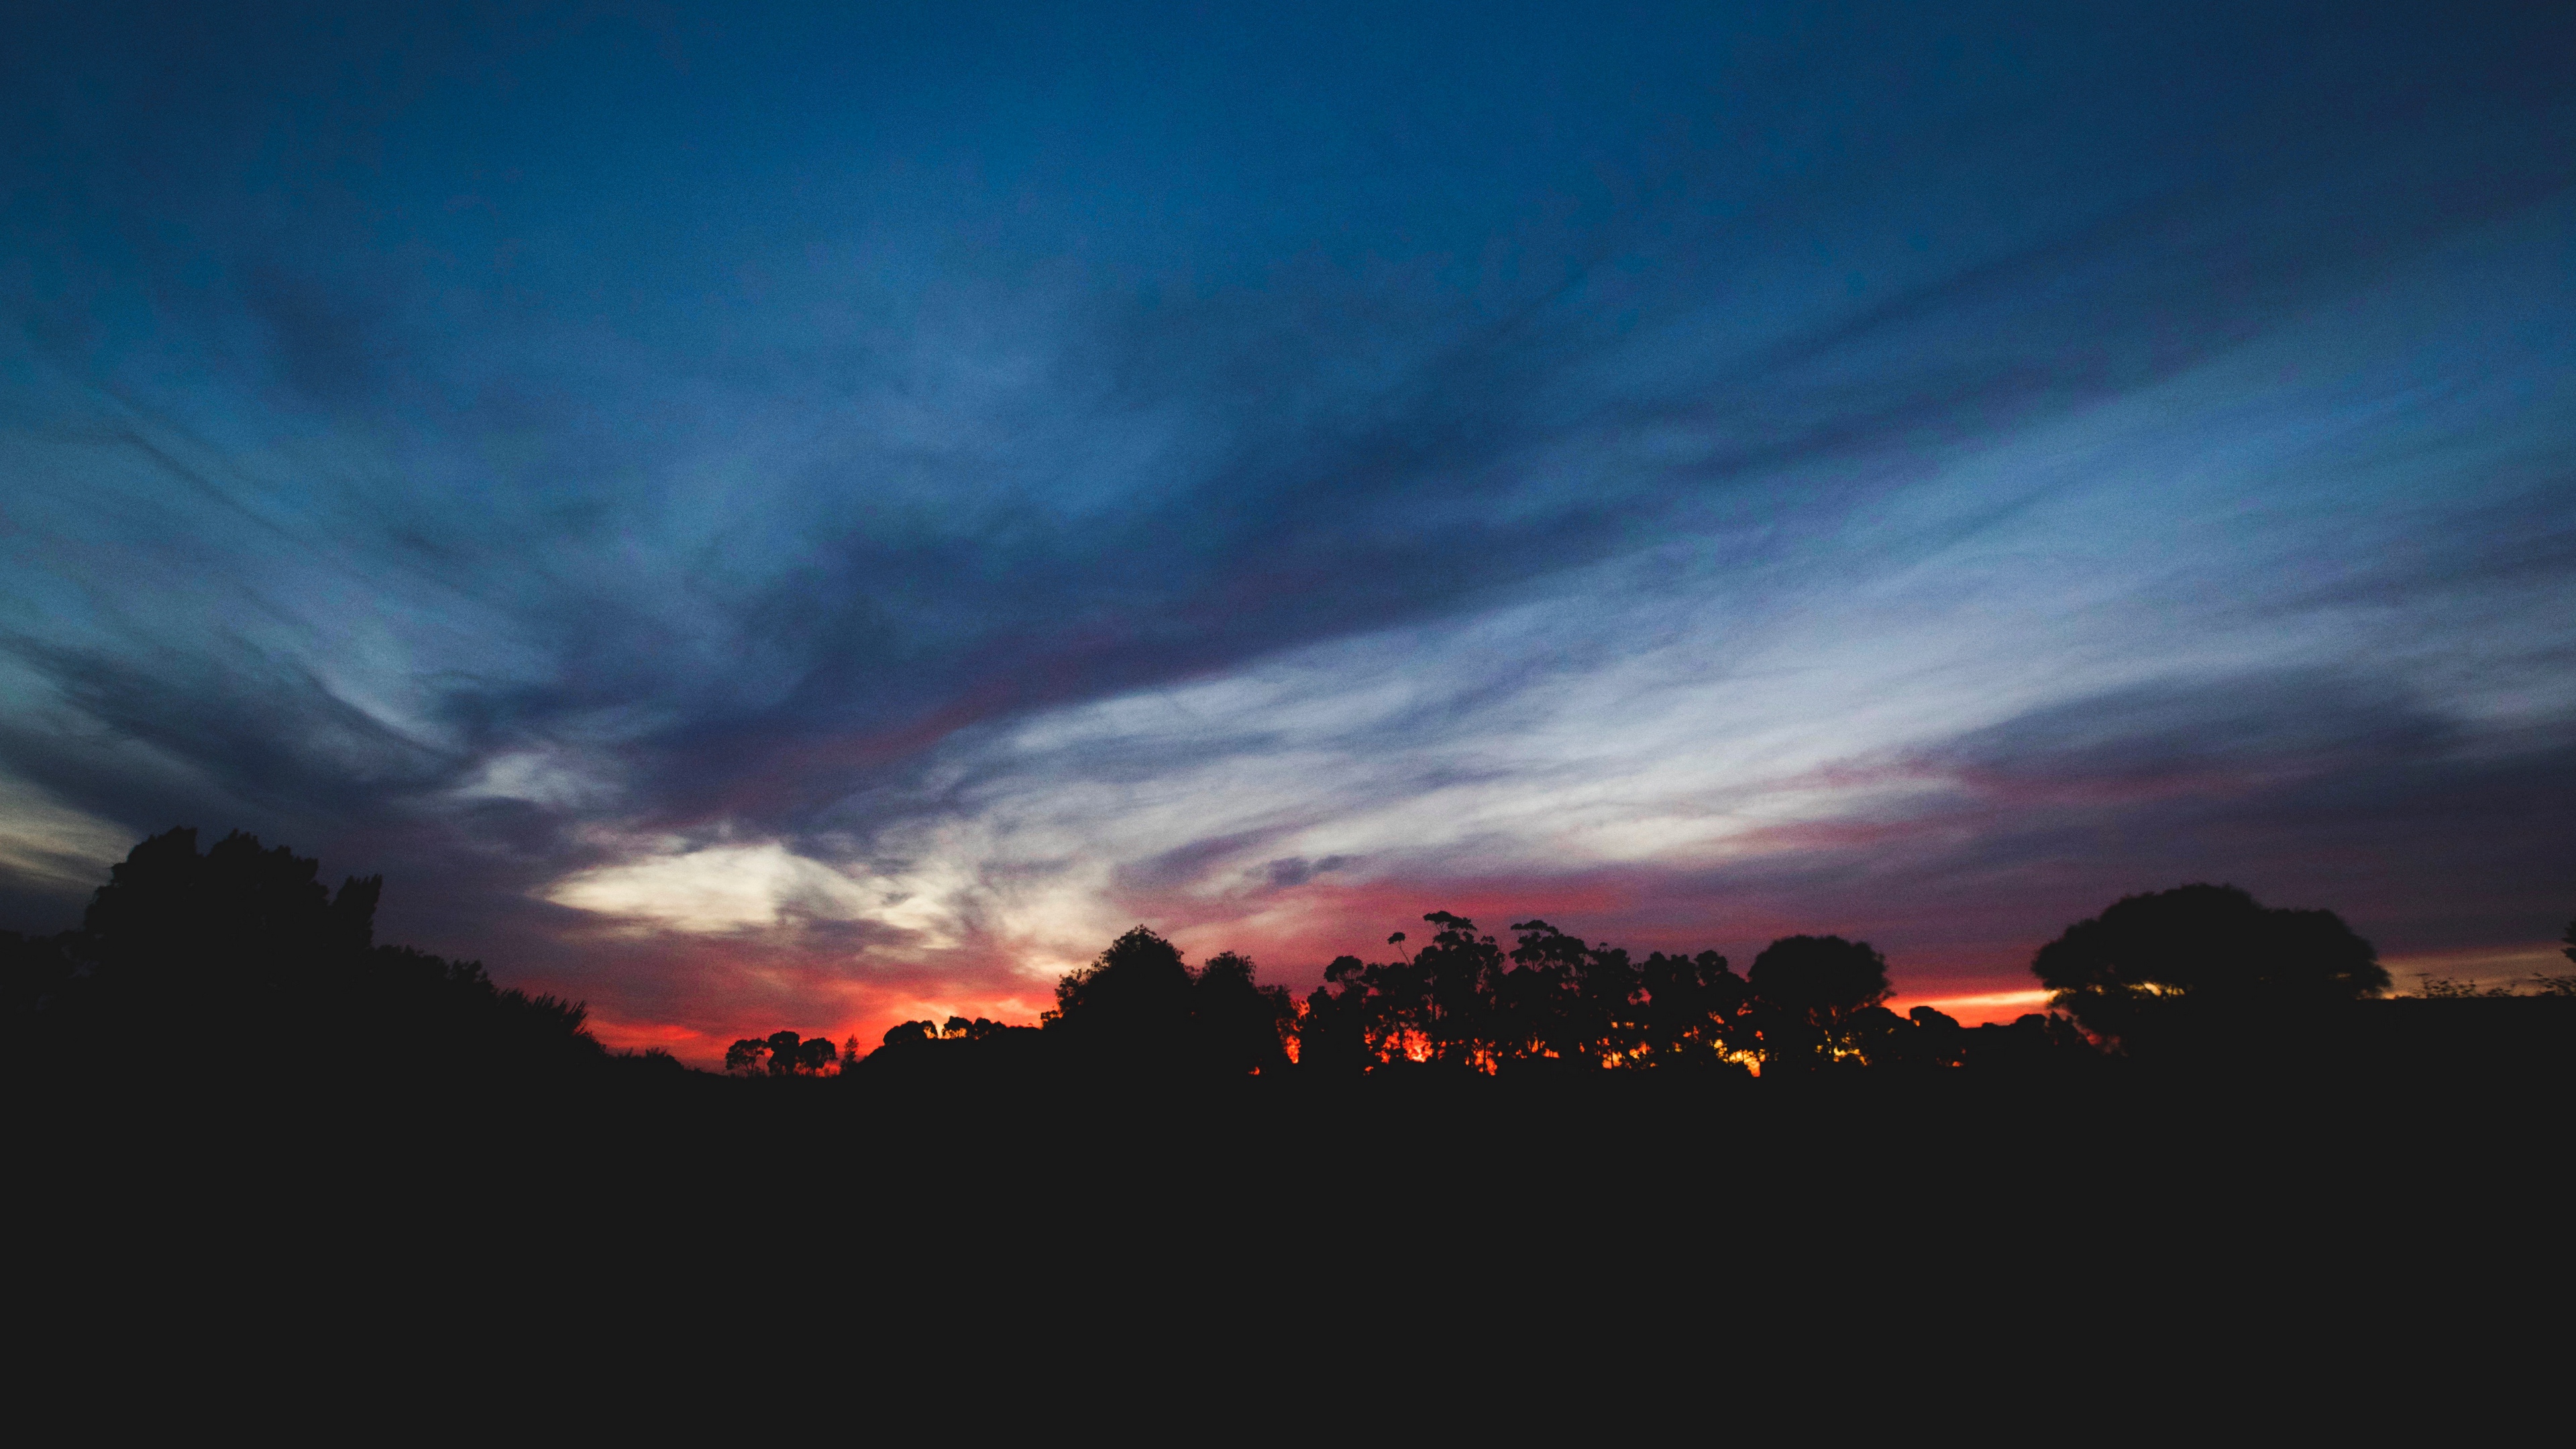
(738, 430)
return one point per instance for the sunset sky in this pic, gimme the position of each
(803, 517)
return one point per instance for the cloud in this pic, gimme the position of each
(47, 849)
(716, 889)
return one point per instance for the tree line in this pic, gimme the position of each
(1465, 1002)
(2199, 971)
(185, 956)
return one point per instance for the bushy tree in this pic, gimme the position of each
(2203, 967)
(243, 942)
(176, 932)
(1810, 995)
(1138, 1005)
(1132, 1000)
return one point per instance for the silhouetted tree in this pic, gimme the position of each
(1552, 1000)
(1441, 1005)
(1140, 1005)
(1133, 999)
(1809, 992)
(782, 1054)
(1333, 1033)
(814, 1055)
(1445, 996)
(1239, 1026)
(1691, 1004)
(243, 942)
(2202, 967)
(179, 933)
(1563, 1001)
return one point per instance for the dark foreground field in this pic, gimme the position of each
(608, 1173)
(1299, 1249)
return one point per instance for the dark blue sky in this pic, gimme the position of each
(762, 516)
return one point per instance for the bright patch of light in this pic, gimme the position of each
(539, 777)
(45, 841)
(1983, 1006)
(718, 889)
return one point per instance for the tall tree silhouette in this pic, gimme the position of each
(2203, 967)
(1562, 1001)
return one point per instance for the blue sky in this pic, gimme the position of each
(769, 516)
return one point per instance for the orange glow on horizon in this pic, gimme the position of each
(1978, 1009)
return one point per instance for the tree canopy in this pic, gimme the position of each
(1139, 1002)
(1551, 1001)
(782, 1054)
(1810, 993)
(243, 942)
(2178, 969)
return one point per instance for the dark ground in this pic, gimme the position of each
(1299, 1247)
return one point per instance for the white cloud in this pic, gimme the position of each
(543, 777)
(44, 841)
(717, 889)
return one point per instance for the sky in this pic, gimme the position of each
(761, 516)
